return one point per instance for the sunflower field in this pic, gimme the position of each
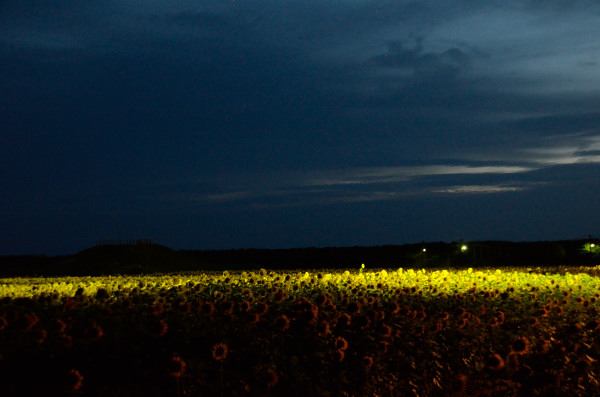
(380, 332)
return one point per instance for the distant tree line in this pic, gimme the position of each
(143, 256)
(423, 255)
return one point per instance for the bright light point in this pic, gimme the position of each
(424, 249)
(592, 245)
(463, 248)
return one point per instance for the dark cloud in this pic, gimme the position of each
(197, 19)
(562, 6)
(588, 153)
(559, 124)
(445, 66)
(51, 13)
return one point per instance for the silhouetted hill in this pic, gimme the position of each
(128, 259)
(103, 260)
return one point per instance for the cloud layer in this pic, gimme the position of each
(154, 111)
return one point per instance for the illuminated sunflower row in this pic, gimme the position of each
(437, 282)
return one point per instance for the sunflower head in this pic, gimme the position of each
(73, 380)
(176, 367)
(271, 378)
(495, 362)
(520, 346)
(220, 351)
(367, 361)
(459, 385)
(341, 343)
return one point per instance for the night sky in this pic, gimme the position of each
(221, 124)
